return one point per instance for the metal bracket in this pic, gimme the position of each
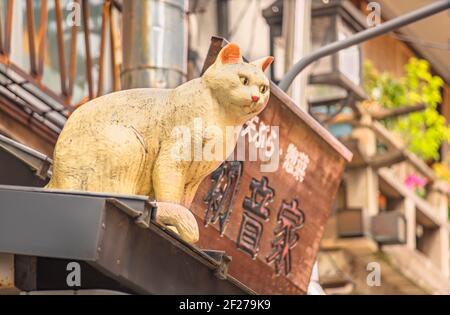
(141, 218)
(222, 260)
(39, 162)
(149, 214)
(43, 171)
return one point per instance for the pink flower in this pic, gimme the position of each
(414, 181)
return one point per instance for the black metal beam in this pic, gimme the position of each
(363, 36)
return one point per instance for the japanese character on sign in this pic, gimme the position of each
(261, 196)
(290, 219)
(295, 162)
(262, 137)
(220, 197)
(250, 235)
(255, 209)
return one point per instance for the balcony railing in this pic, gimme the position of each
(56, 55)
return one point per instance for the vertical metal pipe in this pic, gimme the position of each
(154, 43)
(87, 46)
(31, 37)
(296, 28)
(8, 27)
(61, 51)
(222, 18)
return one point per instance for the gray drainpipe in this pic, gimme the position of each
(154, 43)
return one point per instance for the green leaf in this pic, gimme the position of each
(425, 131)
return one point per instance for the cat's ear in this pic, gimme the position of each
(229, 54)
(263, 63)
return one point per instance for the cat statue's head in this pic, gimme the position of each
(241, 87)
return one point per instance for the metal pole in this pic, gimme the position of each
(360, 37)
(296, 30)
(136, 55)
(222, 18)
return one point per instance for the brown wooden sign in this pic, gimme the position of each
(271, 223)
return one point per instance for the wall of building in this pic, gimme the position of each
(246, 26)
(252, 31)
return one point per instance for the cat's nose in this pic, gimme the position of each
(255, 98)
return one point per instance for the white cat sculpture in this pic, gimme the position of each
(122, 142)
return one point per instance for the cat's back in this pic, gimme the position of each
(121, 104)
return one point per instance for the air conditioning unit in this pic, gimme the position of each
(349, 222)
(389, 227)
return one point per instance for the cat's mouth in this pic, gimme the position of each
(251, 108)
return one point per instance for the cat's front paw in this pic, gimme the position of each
(178, 219)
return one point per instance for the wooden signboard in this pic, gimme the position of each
(271, 223)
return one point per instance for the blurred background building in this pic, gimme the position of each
(388, 100)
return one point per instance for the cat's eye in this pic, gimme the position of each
(244, 80)
(263, 89)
